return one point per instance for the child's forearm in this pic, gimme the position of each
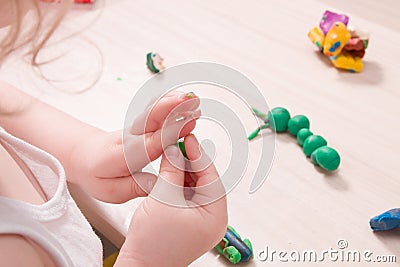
(40, 124)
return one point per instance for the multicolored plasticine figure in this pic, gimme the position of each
(386, 221)
(154, 62)
(234, 248)
(344, 46)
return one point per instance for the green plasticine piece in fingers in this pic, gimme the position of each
(181, 146)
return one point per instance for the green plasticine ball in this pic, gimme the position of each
(312, 143)
(278, 119)
(298, 122)
(302, 135)
(326, 157)
(232, 254)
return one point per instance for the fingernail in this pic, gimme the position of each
(172, 151)
(189, 95)
(182, 95)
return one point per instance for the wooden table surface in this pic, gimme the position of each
(298, 207)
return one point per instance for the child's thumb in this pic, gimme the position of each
(169, 186)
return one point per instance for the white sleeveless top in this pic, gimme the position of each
(58, 226)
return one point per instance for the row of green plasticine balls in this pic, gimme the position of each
(314, 146)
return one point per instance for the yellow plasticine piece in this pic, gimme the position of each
(336, 39)
(110, 260)
(348, 62)
(317, 37)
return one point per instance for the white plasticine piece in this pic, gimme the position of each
(357, 32)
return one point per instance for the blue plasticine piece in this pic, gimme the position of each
(386, 221)
(244, 250)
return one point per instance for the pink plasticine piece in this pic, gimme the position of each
(329, 18)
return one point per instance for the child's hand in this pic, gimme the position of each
(98, 164)
(175, 235)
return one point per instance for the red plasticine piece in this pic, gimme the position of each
(356, 47)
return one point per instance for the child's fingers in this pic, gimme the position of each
(120, 190)
(140, 150)
(170, 133)
(201, 164)
(153, 118)
(154, 99)
(172, 166)
(209, 187)
(169, 186)
(190, 182)
(132, 153)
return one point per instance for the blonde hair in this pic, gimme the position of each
(46, 21)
